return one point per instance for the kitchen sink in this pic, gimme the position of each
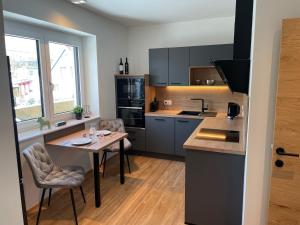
(190, 113)
(198, 113)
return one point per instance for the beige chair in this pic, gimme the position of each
(114, 125)
(47, 175)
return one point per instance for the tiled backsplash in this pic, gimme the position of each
(216, 97)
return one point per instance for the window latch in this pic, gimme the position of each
(51, 86)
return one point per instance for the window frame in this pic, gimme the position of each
(43, 37)
(38, 53)
(65, 115)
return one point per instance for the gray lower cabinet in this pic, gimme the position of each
(137, 137)
(183, 129)
(159, 66)
(214, 188)
(203, 55)
(179, 61)
(160, 134)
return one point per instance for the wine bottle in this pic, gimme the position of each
(126, 67)
(121, 67)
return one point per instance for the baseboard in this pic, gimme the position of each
(157, 155)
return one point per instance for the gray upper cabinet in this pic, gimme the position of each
(159, 66)
(179, 60)
(203, 55)
(183, 129)
(160, 134)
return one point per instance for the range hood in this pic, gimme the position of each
(235, 72)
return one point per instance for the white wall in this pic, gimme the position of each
(191, 33)
(265, 56)
(111, 40)
(10, 204)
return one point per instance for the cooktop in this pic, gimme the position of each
(218, 135)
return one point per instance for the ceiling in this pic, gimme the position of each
(141, 12)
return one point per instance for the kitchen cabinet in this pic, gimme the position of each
(203, 55)
(160, 134)
(171, 66)
(167, 135)
(183, 129)
(179, 60)
(214, 188)
(159, 66)
(137, 137)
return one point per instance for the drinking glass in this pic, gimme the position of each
(92, 132)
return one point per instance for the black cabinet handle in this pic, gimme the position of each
(281, 151)
(176, 83)
(162, 83)
(158, 119)
(182, 121)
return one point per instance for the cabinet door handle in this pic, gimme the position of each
(176, 83)
(281, 151)
(182, 121)
(162, 83)
(158, 119)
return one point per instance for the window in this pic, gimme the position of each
(45, 77)
(64, 79)
(25, 72)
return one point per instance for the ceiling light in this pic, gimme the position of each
(78, 2)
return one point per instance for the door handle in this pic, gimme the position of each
(281, 151)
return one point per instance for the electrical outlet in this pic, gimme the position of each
(167, 102)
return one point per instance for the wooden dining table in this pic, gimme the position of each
(97, 145)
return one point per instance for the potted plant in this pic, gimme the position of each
(78, 110)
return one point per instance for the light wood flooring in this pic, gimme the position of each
(153, 194)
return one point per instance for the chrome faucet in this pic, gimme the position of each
(202, 104)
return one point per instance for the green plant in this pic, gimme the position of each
(78, 110)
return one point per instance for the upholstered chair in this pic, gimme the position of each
(47, 175)
(114, 125)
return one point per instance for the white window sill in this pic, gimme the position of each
(28, 135)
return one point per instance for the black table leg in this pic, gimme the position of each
(122, 154)
(97, 180)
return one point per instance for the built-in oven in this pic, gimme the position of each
(130, 93)
(132, 116)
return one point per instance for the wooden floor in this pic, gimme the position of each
(153, 194)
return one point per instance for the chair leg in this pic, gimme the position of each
(81, 190)
(73, 205)
(49, 198)
(104, 163)
(102, 158)
(41, 204)
(128, 163)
